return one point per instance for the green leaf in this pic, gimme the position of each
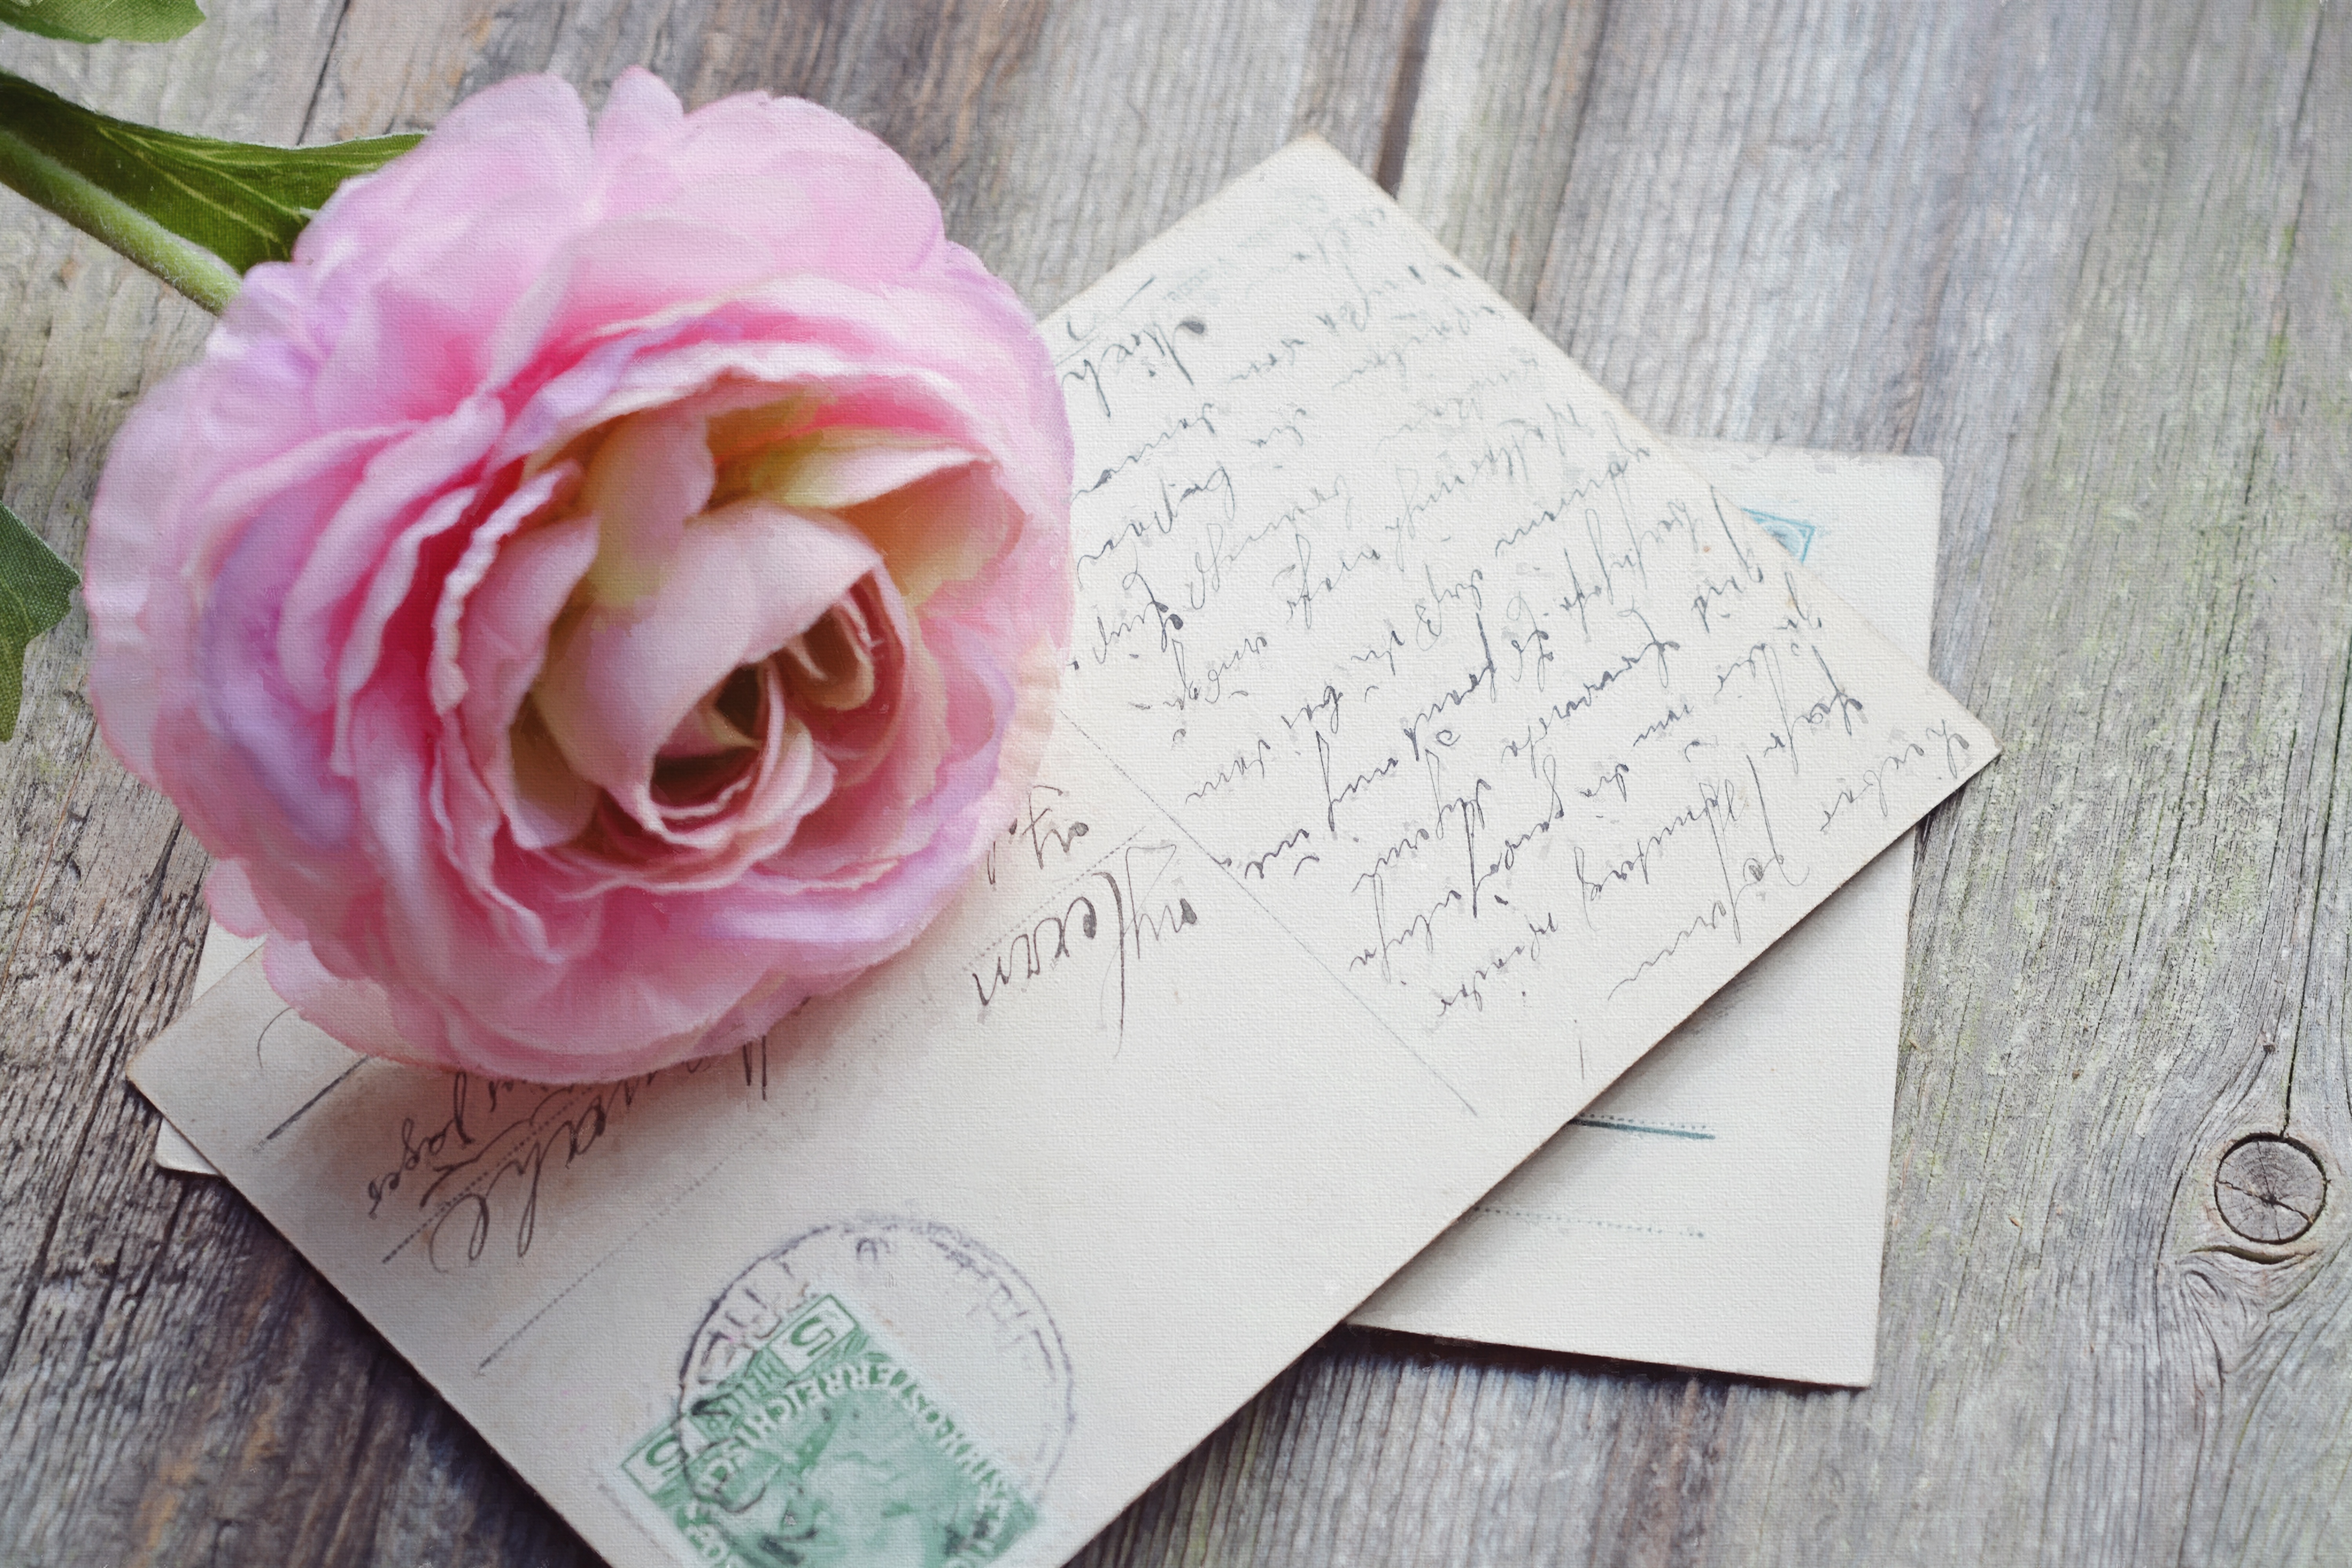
(193, 211)
(88, 21)
(34, 585)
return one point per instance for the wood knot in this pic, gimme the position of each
(2269, 1190)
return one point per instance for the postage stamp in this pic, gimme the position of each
(1792, 535)
(824, 1420)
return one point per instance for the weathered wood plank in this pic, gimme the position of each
(1503, 92)
(2111, 937)
(2274, 1469)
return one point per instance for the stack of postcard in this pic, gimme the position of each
(1438, 741)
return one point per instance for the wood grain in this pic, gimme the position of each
(2095, 258)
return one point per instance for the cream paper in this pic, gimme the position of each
(1435, 743)
(1724, 1203)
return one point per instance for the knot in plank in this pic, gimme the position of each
(2269, 1190)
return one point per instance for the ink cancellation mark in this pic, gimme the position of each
(827, 1408)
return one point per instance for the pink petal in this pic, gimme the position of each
(447, 678)
(650, 476)
(619, 271)
(230, 894)
(501, 650)
(846, 468)
(401, 480)
(639, 113)
(746, 577)
(387, 594)
(356, 1012)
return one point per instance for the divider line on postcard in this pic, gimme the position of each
(1315, 958)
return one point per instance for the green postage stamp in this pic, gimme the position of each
(825, 1448)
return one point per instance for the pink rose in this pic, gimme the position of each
(606, 589)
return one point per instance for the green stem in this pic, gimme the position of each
(187, 267)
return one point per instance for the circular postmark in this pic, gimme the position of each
(884, 1389)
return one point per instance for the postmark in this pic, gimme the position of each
(879, 1391)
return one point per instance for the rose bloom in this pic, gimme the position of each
(606, 589)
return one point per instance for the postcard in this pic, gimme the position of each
(1436, 741)
(1724, 1203)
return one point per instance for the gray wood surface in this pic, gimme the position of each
(2095, 258)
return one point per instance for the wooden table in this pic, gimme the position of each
(2096, 258)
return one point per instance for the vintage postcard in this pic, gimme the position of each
(1435, 743)
(1724, 1203)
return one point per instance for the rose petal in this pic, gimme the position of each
(644, 481)
(230, 894)
(401, 480)
(839, 468)
(744, 579)
(447, 678)
(356, 1012)
(640, 113)
(947, 528)
(619, 272)
(387, 591)
(502, 650)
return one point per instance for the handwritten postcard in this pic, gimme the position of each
(1436, 741)
(1724, 1203)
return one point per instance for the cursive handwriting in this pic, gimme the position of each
(482, 1169)
(1120, 909)
(1448, 667)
